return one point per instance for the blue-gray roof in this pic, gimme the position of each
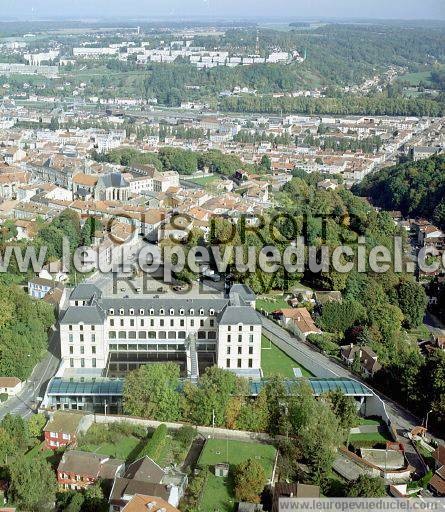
(347, 386)
(165, 303)
(234, 315)
(113, 179)
(90, 315)
(104, 386)
(79, 386)
(85, 291)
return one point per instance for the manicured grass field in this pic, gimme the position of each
(218, 493)
(217, 450)
(375, 437)
(275, 362)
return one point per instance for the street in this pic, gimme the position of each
(36, 384)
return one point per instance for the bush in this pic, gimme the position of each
(325, 343)
(185, 435)
(153, 448)
(3, 397)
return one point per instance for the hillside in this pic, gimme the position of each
(417, 189)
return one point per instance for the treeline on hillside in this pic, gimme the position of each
(24, 325)
(182, 161)
(379, 105)
(417, 189)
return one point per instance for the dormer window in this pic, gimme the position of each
(201, 312)
(131, 311)
(181, 312)
(172, 312)
(121, 311)
(152, 312)
(141, 311)
(161, 312)
(111, 311)
(192, 311)
(212, 312)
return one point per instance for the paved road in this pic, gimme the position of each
(36, 384)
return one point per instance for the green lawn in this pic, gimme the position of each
(127, 448)
(271, 303)
(275, 362)
(218, 493)
(369, 421)
(415, 78)
(375, 437)
(204, 180)
(51, 456)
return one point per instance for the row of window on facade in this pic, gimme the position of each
(161, 335)
(82, 350)
(239, 363)
(161, 322)
(82, 363)
(151, 312)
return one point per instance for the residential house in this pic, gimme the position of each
(298, 321)
(145, 477)
(84, 185)
(38, 287)
(78, 470)
(437, 483)
(144, 503)
(292, 490)
(13, 155)
(327, 184)
(54, 271)
(63, 428)
(10, 385)
(10, 182)
(367, 357)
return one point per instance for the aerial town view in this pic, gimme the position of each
(222, 255)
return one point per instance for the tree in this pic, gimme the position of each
(16, 427)
(249, 479)
(8, 447)
(412, 300)
(366, 487)
(94, 498)
(76, 503)
(35, 425)
(33, 484)
(317, 429)
(344, 409)
(151, 391)
(265, 163)
(210, 400)
(340, 316)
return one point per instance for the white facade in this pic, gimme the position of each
(94, 327)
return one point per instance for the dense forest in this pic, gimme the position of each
(417, 189)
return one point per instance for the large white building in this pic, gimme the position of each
(118, 334)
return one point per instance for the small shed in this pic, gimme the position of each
(222, 469)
